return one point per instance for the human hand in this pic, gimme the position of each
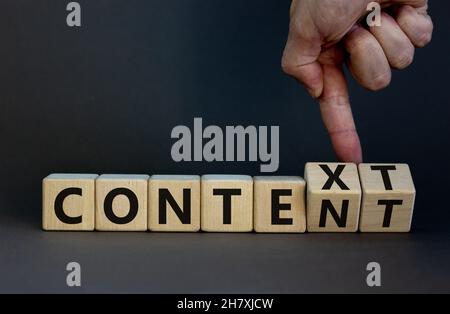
(324, 34)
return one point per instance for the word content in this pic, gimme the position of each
(333, 197)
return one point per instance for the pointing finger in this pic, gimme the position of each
(337, 114)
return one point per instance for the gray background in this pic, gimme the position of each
(105, 97)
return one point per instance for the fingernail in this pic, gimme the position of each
(313, 93)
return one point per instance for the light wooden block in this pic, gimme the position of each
(174, 203)
(388, 198)
(332, 205)
(68, 202)
(121, 202)
(231, 213)
(279, 204)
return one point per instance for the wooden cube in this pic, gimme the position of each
(333, 197)
(279, 204)
(388, 198)
(68, 202)
(121, 202)
(174, 203)
(226, 203)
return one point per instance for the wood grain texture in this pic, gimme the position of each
(73, 205)
(398, 188)
(212, 206)
(286, 192)
(319, 195)
(136, 185)
(177, 186)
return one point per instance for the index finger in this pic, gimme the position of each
(337, 115)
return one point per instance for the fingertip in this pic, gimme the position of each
(347, 146)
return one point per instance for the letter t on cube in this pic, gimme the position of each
(388, 198)
(227, 203)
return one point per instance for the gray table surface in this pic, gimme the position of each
(34, 261)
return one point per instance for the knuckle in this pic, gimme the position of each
(358, 42)
(403, 60)
(295, 28)
(380, 82)
(287, 66)
(424, 39)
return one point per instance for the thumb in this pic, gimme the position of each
(337, 115)
(300, 61)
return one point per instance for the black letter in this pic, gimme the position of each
(107, 205)
(340, 221)
(59, 210)
(385, 175)
(227, 193)
(183, 214)
(389, 208)
(277, 207)
(333, 177)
